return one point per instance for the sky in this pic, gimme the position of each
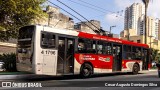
(108, 12)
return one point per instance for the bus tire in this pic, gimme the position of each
(135, 69)
(86, 70)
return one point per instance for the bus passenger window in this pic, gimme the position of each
(137, 53)
(44, 40)
(109, 49)
(81, 45)
(52, 41)
(127, 54)
(90, 46)
(94, 47)
(47, 40)
(100, 47)
(86, 46)
(104, 49)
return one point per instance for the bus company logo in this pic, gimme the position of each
(104, 59)
(108, 59)
(85, 57)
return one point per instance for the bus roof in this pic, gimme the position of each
(110, 39)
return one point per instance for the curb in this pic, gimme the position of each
(153, 70)
(25, 77)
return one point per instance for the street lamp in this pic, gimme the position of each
(111, 28)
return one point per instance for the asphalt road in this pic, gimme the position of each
(122, 81)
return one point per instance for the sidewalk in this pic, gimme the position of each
(12, 73)
(152, 69)
(23, 77)
(148, 71)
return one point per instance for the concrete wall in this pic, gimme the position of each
(55, 19)
(88, 26)
(124, 33)
(4, 49)
(7, 47)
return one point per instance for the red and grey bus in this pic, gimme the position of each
(51, 51)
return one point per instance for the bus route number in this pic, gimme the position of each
(48, 52)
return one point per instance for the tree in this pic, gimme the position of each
(158, 58)
(17, 13)
(155, 54)
(146, 2)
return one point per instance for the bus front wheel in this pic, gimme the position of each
(135, 69)
(86, 70)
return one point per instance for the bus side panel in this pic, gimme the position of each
(101, 63)
(127, 65)
(77, 66)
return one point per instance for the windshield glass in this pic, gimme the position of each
(26, 32)
(25, 37)
(25, 48)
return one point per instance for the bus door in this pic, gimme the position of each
(145, 59)
(65, 61)
(117, 57)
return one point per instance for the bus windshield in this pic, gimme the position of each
(25, 48)
(25, 36)
(26, 32)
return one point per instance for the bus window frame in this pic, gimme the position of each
(92, 50)
(131, 52)
(96, 46)
(49, 34)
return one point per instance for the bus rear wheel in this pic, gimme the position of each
(135, 69)
(86, 70)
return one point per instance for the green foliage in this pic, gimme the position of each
(158, 58)
(2, 28)
(17, 13)
(155, 55)
(9, 61)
